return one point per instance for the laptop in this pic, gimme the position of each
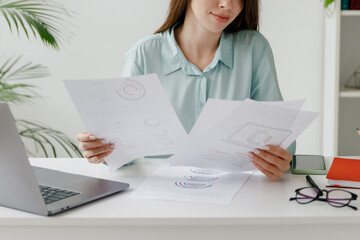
(39, 190)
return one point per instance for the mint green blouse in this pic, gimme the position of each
(243, 67)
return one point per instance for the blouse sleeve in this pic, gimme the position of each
(131, 65)
(264, 85)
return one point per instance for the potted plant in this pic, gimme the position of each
(44, 20)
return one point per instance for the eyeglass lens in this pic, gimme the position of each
(306, 195)
(338, 198)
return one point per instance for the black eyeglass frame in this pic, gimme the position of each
(320, 193)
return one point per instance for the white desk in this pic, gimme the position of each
(260, 210)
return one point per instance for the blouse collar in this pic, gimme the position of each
(173, 58)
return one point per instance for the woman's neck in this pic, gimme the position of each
(197, 44)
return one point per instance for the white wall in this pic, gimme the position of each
(295, 32)
(106, 29)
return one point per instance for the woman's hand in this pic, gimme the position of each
(272, 161)
(94, 150)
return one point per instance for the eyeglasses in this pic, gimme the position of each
(336, 197)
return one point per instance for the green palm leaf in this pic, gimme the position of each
(328, 2)
(41, 18)
(11, 70)
(46, 139)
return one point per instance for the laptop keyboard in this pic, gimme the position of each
(51, 194)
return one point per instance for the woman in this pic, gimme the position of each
(206, 49)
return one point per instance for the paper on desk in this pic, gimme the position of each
(132, 112)
(191, 184)
(225, 146)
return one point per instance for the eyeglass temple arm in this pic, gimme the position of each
(313, 184)
(325, 200)
(353, 207)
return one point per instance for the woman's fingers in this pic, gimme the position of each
(91, 152)
(264, 171)
(94, 149)
(85, 137)
(99, 158)
(88, 140)
(270, 157)
(272, 171)
(94, 144)
(273, 161)
(278, 151)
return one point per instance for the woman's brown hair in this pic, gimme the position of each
(247, 19)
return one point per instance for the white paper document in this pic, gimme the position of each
(191, 184)
(133, 112)
(210, 116)
(222, 141)
(302, 121)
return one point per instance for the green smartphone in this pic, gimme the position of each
(308, 164)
